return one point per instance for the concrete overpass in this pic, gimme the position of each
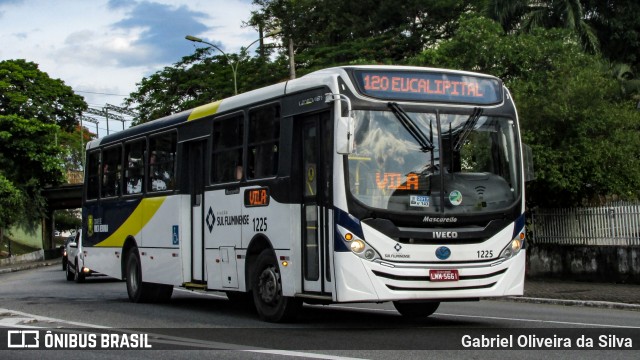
(66, 196)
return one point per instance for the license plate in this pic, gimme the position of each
(444, 275)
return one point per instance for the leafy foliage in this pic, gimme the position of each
(576, 109)
(199, 79)
(31, 94)
(29, 160)
(571, 112)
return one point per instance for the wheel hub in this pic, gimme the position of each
(269, 285)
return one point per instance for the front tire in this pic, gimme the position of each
(78, 276)
(69, 274)
(416, 309)
(266, 282)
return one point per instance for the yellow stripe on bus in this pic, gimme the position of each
(135, 222)
(204, 110)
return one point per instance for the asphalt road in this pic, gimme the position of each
(195, 324)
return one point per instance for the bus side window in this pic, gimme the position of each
(227, 150)
(111, 171)
(263, 143)
(93, 175)
(134, 163)
(162, 162)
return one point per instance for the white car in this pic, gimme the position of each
(75, 260)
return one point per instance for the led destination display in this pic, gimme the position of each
(426, 86)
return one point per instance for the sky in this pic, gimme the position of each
(102, 48)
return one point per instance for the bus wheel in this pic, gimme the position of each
(267, 291)
(78, 276)
(68, 272)
(416, 309)
(137, 290)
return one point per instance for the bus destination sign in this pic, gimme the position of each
(429, 86)
(256, 197)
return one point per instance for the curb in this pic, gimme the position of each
(18, 267)
(585, 303)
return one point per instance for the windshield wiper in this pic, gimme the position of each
(468, 127)
(412, 127)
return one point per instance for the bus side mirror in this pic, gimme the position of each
(344, 135)
(527, 155)
(345, 128)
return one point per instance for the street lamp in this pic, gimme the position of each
(233, 64)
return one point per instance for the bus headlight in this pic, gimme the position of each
(357, 245)
(513, 247)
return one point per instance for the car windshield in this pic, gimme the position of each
(470, 165)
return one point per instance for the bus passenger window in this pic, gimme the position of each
(134, 172)
(227, 150)
(162, 155)
(93, 175)
(263, 144)
(111, 168)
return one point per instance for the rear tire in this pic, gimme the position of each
(266, 282)
(138, 291)
(416, 309)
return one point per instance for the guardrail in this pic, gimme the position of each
(614, 225)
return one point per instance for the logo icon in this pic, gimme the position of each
(398, 247)
(443, 252)
(455, 197)
(90, 225)
(211, 219)
(20, 339)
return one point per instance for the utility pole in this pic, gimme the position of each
(121, 110)
(105, 114)
(292, 63)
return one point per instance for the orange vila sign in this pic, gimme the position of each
(256, 197)
(397, 181)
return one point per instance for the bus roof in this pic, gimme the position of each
(320, 77)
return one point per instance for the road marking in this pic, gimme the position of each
(450, 315)
(302, 354)
(539, 321)
(19, 316)
(494, 318)
(19, 319)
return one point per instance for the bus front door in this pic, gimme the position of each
(196, 150)
(317, 239)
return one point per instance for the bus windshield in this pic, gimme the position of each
(469, 166)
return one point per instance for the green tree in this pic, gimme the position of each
(198, 79)
(67, 220)
(33, 110)
(340, 32)
(30, 159)
(526, 15)
(617, 25)
(571, 112)
(30, 93)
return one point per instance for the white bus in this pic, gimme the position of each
(350, 184)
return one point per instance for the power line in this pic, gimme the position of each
(99, 93)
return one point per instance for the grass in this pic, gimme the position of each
(16, 248)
